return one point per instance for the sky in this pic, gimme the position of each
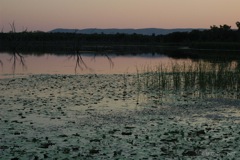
(45, 15)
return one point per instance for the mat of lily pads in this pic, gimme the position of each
(105, 117)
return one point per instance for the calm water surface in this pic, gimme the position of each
(12, 65)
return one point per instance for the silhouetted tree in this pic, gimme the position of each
(238, 25)
(225, 27)
(214, 28)
(47, 41)
(195, 35)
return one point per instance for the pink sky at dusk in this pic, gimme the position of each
(46, 15)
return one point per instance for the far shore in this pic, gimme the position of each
(123, 48)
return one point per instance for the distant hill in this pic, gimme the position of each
(144, 31)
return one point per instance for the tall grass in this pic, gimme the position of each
(197, 79)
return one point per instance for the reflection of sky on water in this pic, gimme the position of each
(53, 64)
(74, 63)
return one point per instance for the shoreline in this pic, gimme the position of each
(105, 117)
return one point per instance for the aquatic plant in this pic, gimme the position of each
(194, 79)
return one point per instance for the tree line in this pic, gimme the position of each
(220, 35)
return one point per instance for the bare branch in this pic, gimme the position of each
(13, 28)
(25, 29)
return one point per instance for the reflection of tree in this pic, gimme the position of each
(1, 63)
(15, 58)
(111, 63)
(80, 63)
(78, 56)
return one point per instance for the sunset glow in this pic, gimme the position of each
(47, 15)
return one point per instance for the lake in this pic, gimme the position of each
(50, 63)
(15, 65)
(190, 100)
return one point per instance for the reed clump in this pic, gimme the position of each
(194, 79)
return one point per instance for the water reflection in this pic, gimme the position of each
(79, 62)
(17, 57)
(111, 63)
(12, 61)
(1, 63)
(82, 65)
(15, 63)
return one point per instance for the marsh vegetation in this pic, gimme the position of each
(193, 80)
